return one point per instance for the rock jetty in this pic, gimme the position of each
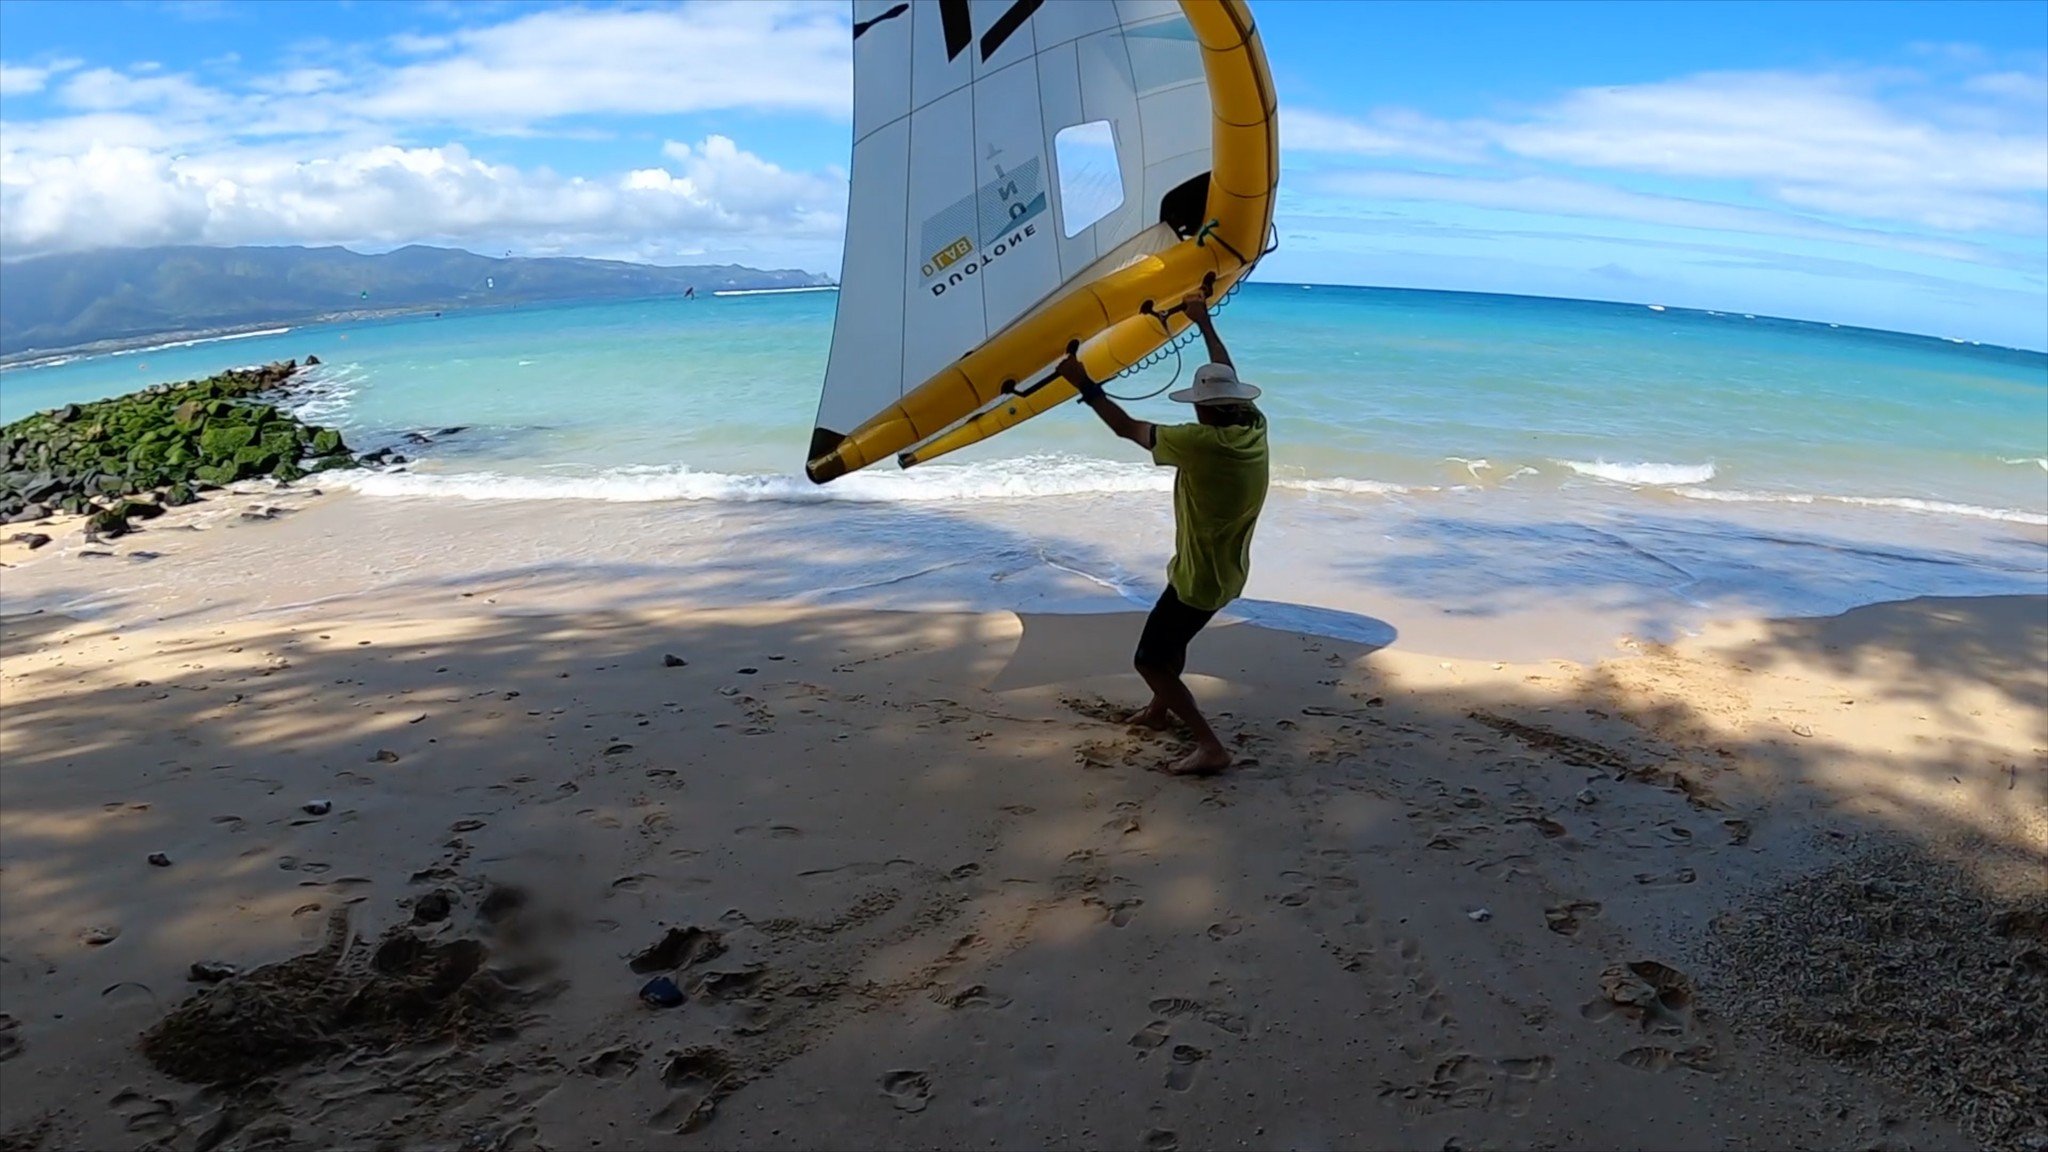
(170, 440)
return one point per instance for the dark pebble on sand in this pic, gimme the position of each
(160, 860)
(673, 661)
(748, 671)
(318, 807)
(616, 749)
(211, 972)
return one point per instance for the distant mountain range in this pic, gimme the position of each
(54, 303)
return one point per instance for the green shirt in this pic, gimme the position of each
(1216, 501)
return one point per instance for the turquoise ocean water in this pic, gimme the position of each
(1783, 466)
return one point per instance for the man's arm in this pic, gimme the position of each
(1139, 432)
(1196, 306)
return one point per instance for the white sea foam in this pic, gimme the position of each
(201, 340)
(774, 291)
(1348, 487)
(1017, 479)
(1475, 467)
(2041, 461)
(1025, 478)
(1643, 473)
(1904, 503)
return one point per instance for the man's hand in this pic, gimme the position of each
(1136, 431)
(1196, 305)
(1072, 372)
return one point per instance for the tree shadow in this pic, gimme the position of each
(925, 852)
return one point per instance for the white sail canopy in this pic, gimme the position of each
(1002, 149)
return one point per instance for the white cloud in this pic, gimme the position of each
(1876, 147)
(392, 195)
(757, 54)
(1812, 141)
(23, 80)
(1557, 196)
(1388, 133)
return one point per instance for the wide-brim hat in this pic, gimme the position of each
(1215, 384)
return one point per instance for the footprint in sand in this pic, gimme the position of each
(154, 1115)
(679, 948)
(908, 1090)
(975, 996)
(1565, 919)
(1186, 1066)
(1151, 1035)
(698, 1079)
(1666, 879)
(1652, 1058)
(1226, 927)
(11, 1043)
(1161, 1140)
(615, 1063)
(1207, 1013)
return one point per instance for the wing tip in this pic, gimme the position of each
(823, 464)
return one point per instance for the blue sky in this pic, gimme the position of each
(1865, 163)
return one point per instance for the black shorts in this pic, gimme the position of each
(1164, 642)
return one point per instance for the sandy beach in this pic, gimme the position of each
(1780, 884)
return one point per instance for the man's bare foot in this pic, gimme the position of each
(1205, 760)
(1154, 716)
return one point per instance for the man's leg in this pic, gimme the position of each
(1161, 657)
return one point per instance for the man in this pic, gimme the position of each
(1217, 495)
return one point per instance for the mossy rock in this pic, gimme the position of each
(223, 441)
(256, 458)
(218, 475)
(109, 522)
(327, 441)
(282, 439)
(287, 471)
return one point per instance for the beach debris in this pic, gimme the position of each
(317, 807)
(384, 756)
(211, 971)
(671, 660)
(99, 934)
(1923, 970)
(159, 860)
(433, 907)
(661, 992)
(1479, 915)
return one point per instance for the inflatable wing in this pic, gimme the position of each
(1031, 176)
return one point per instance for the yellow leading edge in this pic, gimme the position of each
(1105, 317)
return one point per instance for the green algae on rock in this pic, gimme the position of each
(170, 438)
